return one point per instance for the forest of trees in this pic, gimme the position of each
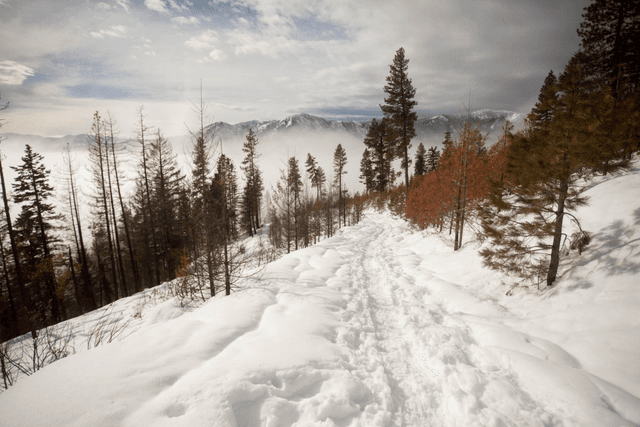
(517, 193)
(170, 225)
(520, 193)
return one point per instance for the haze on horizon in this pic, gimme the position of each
(268, 59)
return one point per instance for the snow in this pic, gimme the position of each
(381, 325)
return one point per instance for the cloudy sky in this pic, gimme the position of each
(269, 59)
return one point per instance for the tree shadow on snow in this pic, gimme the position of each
(615, 250)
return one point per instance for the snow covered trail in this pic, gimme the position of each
(380, 326)
(416, 353)
(442, 354)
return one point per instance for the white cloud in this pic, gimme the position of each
(118, 31)
(203, 42)
(124, 4)
(181, 20)
(217, 55)
(103, 6)
(150, 53)
(196, 44)
(157, 5)
(178, 7)
(12, 73)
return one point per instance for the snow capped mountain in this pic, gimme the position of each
(298, 124)
(429, 130)
(490, 122)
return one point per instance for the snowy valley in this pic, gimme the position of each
(381, 325)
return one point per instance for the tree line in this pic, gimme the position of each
(169, 225)
(519, 194)
(304, 207)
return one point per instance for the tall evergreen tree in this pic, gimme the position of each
(203, 230)
(433, 158)
(312, 173)
(35, 225)
(339, 163)
(420, 167)
(27, 302)
(294, 183)
(253, 182)
(366, 171)
(380, 143)
(610, 36)
(398, 108)
(525, 219)
(542, 110)
(447, 144)
(224, 192)
(166, 179)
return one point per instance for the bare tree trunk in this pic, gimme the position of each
(72, 269)
(12, 305)
(148, 197)
(123, 278)
(134, 265)
(105, 205)
(88, 299)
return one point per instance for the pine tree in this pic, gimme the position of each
(166, 179)
(35, 225)
(610, 36)
(542, 183)
(433, 158)
(339, 163)
(542, 110)
(420, 167)
(27, 302)
(366, 171)
(447, 144)
(294, 185)
(253, 186)
(312, 173)
(225, 189)
(398, 108)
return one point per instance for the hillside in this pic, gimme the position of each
(379, 326)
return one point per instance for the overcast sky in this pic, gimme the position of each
(269, 59)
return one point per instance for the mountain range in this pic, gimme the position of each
(296, 135)
(429, 129)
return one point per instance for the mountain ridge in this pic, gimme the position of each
(428, 129)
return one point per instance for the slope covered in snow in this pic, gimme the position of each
(379, 326)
